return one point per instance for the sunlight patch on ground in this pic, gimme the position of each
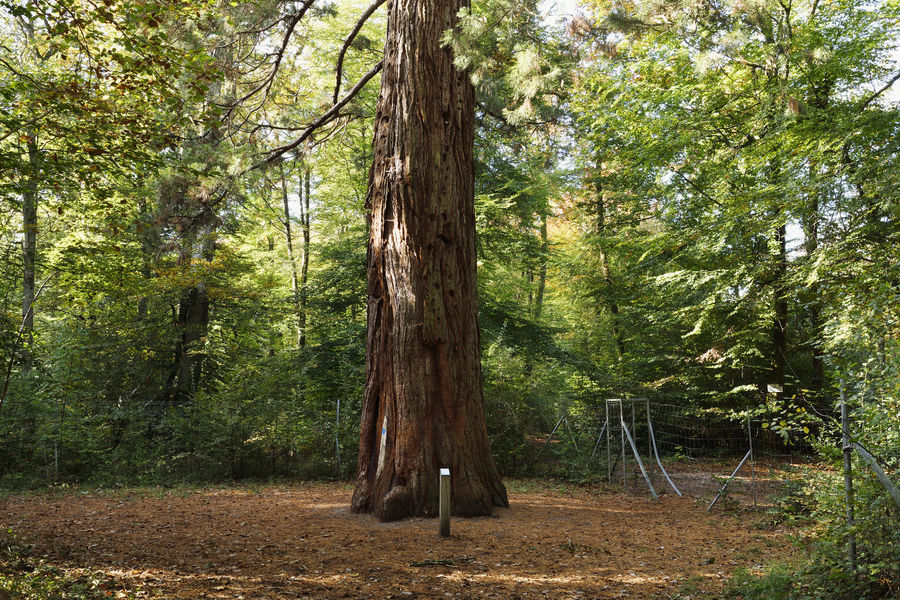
(327, 505)
(459, 576)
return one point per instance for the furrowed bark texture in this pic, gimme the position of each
(424, 406)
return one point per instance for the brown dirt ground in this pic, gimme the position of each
(302, 542)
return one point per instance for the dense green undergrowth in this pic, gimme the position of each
(815, 505)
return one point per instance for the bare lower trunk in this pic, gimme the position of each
(613, 305)
(424, 406)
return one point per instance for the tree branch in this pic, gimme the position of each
(324, 118)
(696, 187)
(12, 354)
(340, 62)
(266, 82)
(879, 92)
(22, 75)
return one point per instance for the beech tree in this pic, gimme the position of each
(423, 407)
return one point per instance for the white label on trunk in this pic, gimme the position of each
(382, 446)
(445, 472)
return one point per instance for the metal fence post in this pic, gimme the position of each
(848, 480)
(608, 449)
(752, 460)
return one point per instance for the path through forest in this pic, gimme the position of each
(302, 542)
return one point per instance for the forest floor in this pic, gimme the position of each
(301, 541)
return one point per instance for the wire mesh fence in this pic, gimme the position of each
(703, 452)
(654, 448)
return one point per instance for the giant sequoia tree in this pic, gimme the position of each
(424, 407)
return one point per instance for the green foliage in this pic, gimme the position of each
(775, 583)
(701, 140)
(723, 150)
(25, 576)
(518, 68)
(793, 503)
(657, 188)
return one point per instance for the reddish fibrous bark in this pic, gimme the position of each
(424, 405)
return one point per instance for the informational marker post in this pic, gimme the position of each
(444, 506)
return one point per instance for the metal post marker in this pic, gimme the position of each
(444, 507)
(624, 461)
(571, 433)
(550, 437)
(879, 472)
(622, 435)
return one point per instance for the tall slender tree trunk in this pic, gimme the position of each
(613, 305)
(779, 326)
(197, 223)
(821, 100)
(274, 334)
(542, 271)
(150, 242)
(29, 248)
(605, 271)
(193, 320)
(30, 199)
(424, 407)
(304, 265)
(779, 279)
(811, 246)
(292, 259)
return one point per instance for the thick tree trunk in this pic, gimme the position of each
(424, 405)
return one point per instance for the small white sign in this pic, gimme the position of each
(445, 472)
(774, 388)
